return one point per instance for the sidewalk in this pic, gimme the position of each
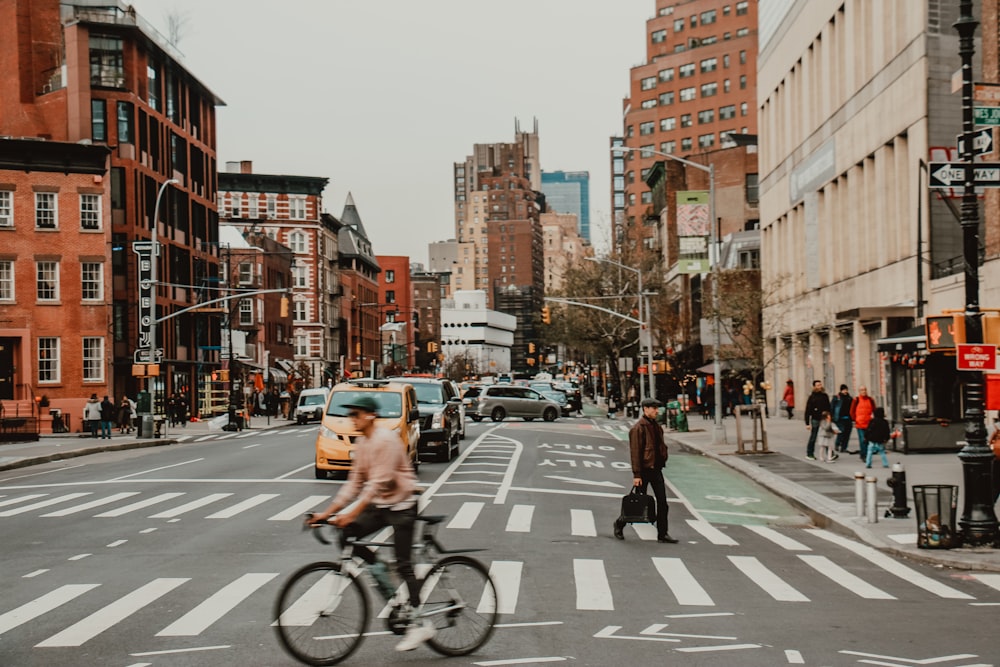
(59, 446)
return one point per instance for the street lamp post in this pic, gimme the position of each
(718, 432)
(154, 253)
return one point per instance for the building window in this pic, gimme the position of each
(90, 211)
(743, 82)
(706, 116)
(297, 241)
(153, 87)
(709, 89)
(708, 17)
(686, 144)
(741, 8)
(743, 32)
(646, 197)
(93, 359)
(686, 120)
(45, 210)
(725, 85)
(253, 205)
(245, 273)
(648, 104)
(647, 128)
(117, 188)
(678, 25)
(666, 74)
(301, 346)
(301, 311)
(125, 123)
(48, 359)
(666, 99)
(235, 205)
(98, 120)
(6, 280)
(659, 36)
(6, 208)
(749, 259)
(694, 21)
(687, 70)
(753, 191)
(667, 124)
(706, 140)
(646, 151)
(272, 206)
(390, 276)
(744, 109)
(688, 94)
(743, 57)
(299, 276)
(668, 147)
(647, 83)
(92, 281)
(47, 281)
(727, 112)
(709, 64)
(390, 296)
(107, 67)
(725, 10)
(246, 312)
(297, 208)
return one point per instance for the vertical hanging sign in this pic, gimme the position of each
(144, 249)
(693, 231)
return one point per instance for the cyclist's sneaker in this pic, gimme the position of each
(380, 573)
(416, 635)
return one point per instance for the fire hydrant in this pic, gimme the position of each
(897, 483)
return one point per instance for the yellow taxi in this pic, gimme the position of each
(397, 410)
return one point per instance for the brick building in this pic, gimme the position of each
(360, 315)
(429, 290)
(398, 315)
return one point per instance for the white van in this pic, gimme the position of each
(311, 404)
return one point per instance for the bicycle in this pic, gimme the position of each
(322, 611)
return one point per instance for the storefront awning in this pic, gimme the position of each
(252, 365)
(725, 366)
(277, 376)
(910, 340)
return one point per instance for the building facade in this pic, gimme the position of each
(475, 336)
(569, 192)
(361, 318)
(398, 316)
(563, 245)
(429, 290)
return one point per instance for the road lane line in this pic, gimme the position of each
(139, 505)
(42, 605)
(712, 534)
(116, 543)
(146, 472)
(31, 575)
(240, 507)
(120, 609)
(684, 586)
(582, 523)
(771, 583)
(506, 575)
(204, 438)
(840, 576)
(22, 499)
(519, 661)
(593, 592)
(466, 515)
(520, 519)
(645, 531)
(794, 657)
(92, 504)
(780, 539)
(216, 606)
(991, 580)
(296, 471)
(79, 557)
(44, 503)
(187, 507)
(299, 509)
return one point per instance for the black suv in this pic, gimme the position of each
(440, 409)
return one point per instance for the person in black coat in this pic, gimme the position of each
(817, 404)
(841, 411)
(107, 417)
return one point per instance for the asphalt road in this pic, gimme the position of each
(172, 556)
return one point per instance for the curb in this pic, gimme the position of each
(72, 454)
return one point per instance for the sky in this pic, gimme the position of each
(384, 96)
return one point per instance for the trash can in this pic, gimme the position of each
(936, 505)
(145, 426)
(681, 421)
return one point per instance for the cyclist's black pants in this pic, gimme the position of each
(372, 519)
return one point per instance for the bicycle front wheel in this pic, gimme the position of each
(321, 614)
(459, 598)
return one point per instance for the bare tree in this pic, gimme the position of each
(177, 23)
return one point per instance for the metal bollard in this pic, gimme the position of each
(897, 483)
(859, 493)
(871, 489)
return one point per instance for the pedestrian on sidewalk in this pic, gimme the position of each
(816, 405)
(877, 434)
(648, 453)
(828, 430)
(862, 410)
(107, 417)
(788, 398)
(124, 416)
(92, 415)
(841, 405)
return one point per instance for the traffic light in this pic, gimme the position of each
(284, 306)
(531, 348)
(546, 315)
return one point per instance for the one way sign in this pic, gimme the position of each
(982, 142)
(952, 174)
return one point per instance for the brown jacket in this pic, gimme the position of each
(644, 440)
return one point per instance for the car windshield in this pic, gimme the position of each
(312, 399)
(390, 404)
(429, 392)
(556, 396)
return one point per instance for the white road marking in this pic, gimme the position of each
(466, 515)
(256, 444)
(928, 661)
(248, 434)
(296, 471)
(724, 647)
(102, 619)
(684, 586)
(520, 519)
(794, 657)
(22, 499)
(780, 539)
(43, 503)
(116, 543)
(42, 605)
(216, 606)
(657, 630)
(519, 661)
(567, 492)
(767, 580)
(193, 649)
(991, 580)
(712, 534)
(146, 472)
(147, 530)
(645, 531)
(904, 538)
(35, 573)
(242, 506)
(79, 557)
(163, 497)
(299, 509)
(187, 507)
(204, 438)
(506, 575)
(593, 592)
(92, 504)
(582, 523)
(574, 480)
(839, 575)
(705, 615)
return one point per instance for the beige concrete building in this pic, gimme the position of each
(854, 98)
(563, 247)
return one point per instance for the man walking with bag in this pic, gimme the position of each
(649, 456)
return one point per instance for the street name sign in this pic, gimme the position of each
(976, 357)
(982, 142)
(952, 174)
(986, 115)
(985, 93)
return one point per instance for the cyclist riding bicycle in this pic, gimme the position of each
(382, 483)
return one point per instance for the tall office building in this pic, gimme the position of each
(569, 192)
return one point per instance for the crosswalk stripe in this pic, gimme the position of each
(92, 504)
(42, 605)
(466, 515)
(780, 539)
(299, 509)
(593, 592)
(44, 503)
(684, 586)
(767, 580)
(520, 519)
(645, 531)
(215, 607)
(204, 438)
(304, 611)
(139, 505)
(240, 507)
(991, 580)
(712, 534)
(102, 619)
(582, 523)
(839, 575)
(894, 567)
(22, 499)
(506, 575)
(187, 507)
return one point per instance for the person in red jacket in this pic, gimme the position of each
(862, 410)
(789, 398)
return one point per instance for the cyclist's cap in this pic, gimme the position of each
(363, 402)
(651, 403)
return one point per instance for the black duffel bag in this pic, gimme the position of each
(638, 507)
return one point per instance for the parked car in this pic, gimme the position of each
(560, 398)
(573, 394)
(311, 404)
(500, 401)
(441, 423)
(397, 410)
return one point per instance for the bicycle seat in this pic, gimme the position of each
(431, 519)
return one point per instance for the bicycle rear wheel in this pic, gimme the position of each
(321, 614)
(459, 598)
